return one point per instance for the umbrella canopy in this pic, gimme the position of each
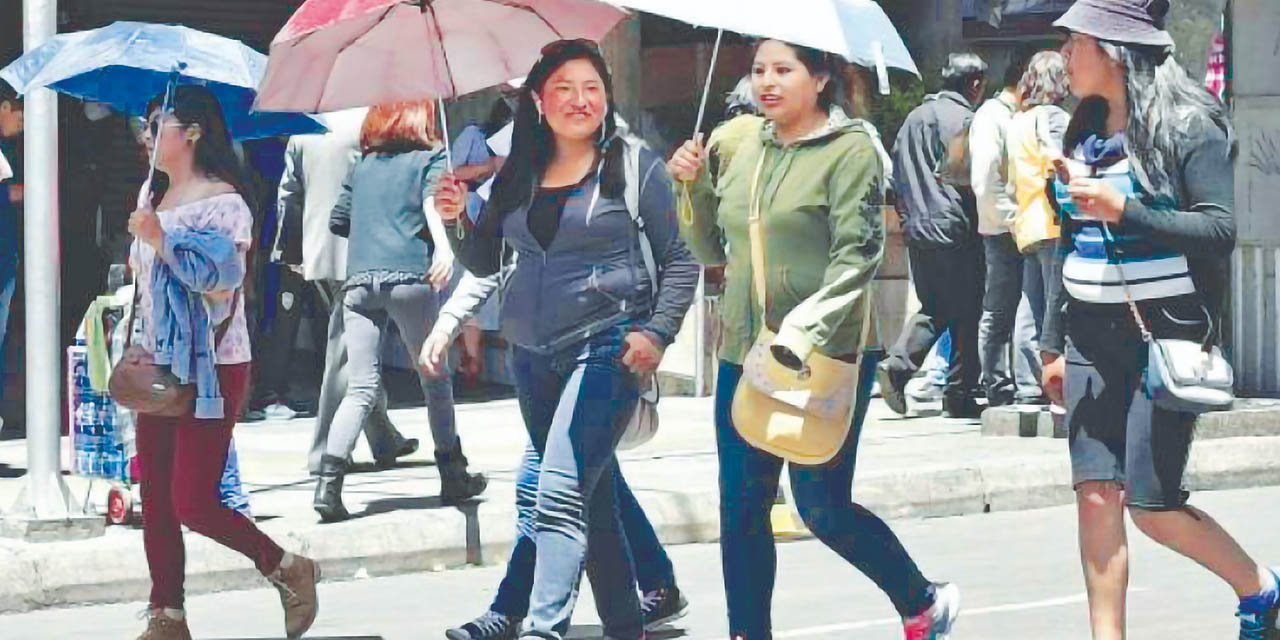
(859, 30)
(336, 54)
(126, 64)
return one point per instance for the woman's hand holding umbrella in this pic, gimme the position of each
(687, 163)
(144, 224)
(451, 198)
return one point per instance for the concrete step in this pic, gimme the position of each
(1249, 417)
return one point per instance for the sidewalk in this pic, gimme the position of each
(908, 468)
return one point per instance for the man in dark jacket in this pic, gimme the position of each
(945, 250)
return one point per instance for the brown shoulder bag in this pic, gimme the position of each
(138, 383)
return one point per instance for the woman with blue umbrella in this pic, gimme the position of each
(189, 260)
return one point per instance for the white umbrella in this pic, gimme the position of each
(859, 30)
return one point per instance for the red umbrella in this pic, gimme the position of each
(337, 54)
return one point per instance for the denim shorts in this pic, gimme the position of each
(1117, 434)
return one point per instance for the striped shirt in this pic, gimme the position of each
(1093, 269)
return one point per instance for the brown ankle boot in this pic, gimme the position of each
(297, 587)
(162, 627)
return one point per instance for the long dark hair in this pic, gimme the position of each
(533, 143)
(817, 63)
(214, 155)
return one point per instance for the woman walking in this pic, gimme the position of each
(586, 318)
(189, 261)
(398, 260)
(1153, 194)
(1034, 141)
(817, 179)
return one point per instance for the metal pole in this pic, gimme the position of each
(45, 496)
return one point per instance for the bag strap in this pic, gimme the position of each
(756, 235)
(635, 187)
(221, 331)
(1147, 337)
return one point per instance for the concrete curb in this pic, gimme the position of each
(1249, 417)
(113, 569)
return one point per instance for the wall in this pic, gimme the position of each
(1256, 288)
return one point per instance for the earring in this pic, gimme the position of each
(604, 128)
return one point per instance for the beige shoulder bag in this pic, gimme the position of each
(801, 416)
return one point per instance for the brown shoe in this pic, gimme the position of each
(162, 627)
(297, 587)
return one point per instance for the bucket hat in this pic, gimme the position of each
(1138, 22)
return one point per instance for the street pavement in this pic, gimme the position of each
(923, 466)
(1018, 572)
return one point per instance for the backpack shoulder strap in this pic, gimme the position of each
(635, 186)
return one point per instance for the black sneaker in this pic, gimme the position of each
(961, 408)
(490, 626)
(661, 607)
(893, 387)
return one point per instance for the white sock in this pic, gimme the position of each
(286, 561)
(1267, 580)
(174, 614)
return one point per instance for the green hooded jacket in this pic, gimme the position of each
(824, 236)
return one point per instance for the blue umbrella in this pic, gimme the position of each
(126, 64)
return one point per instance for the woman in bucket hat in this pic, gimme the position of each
(1151, 196)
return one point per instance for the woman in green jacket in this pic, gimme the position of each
(820, 186)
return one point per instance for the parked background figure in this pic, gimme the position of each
(943, 245)
(1007, 374)
(1034, 142)
(398, 260)
(821, 185)
(11, 198)
(1153, 189)
(661, 601)
(315, 167)
(587, 321)
(190, 260)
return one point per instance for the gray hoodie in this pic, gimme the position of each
(592, 277)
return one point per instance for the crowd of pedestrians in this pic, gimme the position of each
(1053, 229)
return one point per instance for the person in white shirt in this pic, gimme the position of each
(1006, 319)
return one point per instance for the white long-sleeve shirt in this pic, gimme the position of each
(6, 171)
(989, 166)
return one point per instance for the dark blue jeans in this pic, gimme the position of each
(576, 405)
(824, 497)
(650, 562)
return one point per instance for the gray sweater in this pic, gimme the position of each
(380, 212)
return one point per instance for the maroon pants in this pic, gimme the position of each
(182, 461)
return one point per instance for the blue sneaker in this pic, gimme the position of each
(1260, 614)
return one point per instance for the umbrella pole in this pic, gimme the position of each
(444, 122)
(144, 194)
(700, 308)
(706, 90)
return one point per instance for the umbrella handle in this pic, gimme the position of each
(444, 122)
(706, 90)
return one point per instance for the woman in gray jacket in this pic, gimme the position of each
(586, 319)
(397, 262)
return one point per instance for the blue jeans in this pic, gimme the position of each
(824, 497)
(576, 405)
(650, 562)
